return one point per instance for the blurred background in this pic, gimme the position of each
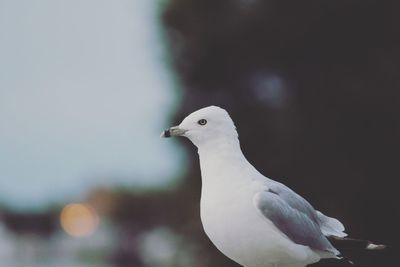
(86, 87)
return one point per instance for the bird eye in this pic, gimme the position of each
(202, 122)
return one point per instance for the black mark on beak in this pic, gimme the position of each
(167, 133)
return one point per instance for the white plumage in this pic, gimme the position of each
(252, 219)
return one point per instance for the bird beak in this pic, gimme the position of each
(173, 131)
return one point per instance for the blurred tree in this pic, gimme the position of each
(41, 225)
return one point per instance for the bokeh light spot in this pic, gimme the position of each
(79, 220)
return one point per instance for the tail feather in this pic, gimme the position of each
(346, 259)
(330, 226)
(350, 247)
(347, 243)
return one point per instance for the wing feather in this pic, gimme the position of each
(296, 224)
(329, 226)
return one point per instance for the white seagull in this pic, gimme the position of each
(253, 220)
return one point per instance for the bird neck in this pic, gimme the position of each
(218, 151)
(221, 163)
(221, 147)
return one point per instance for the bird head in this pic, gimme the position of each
(205, 126)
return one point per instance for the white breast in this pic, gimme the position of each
(236, 227)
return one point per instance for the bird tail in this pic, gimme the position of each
(346, 243)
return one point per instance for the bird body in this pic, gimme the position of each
(230, 219)
(253, 220)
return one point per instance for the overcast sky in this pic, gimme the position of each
(84, 94)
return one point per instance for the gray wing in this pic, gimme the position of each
(293, 199)
(329, 226)
(295, 223)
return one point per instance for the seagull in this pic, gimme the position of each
(251, 219)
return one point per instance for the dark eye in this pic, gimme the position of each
(202, 122)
